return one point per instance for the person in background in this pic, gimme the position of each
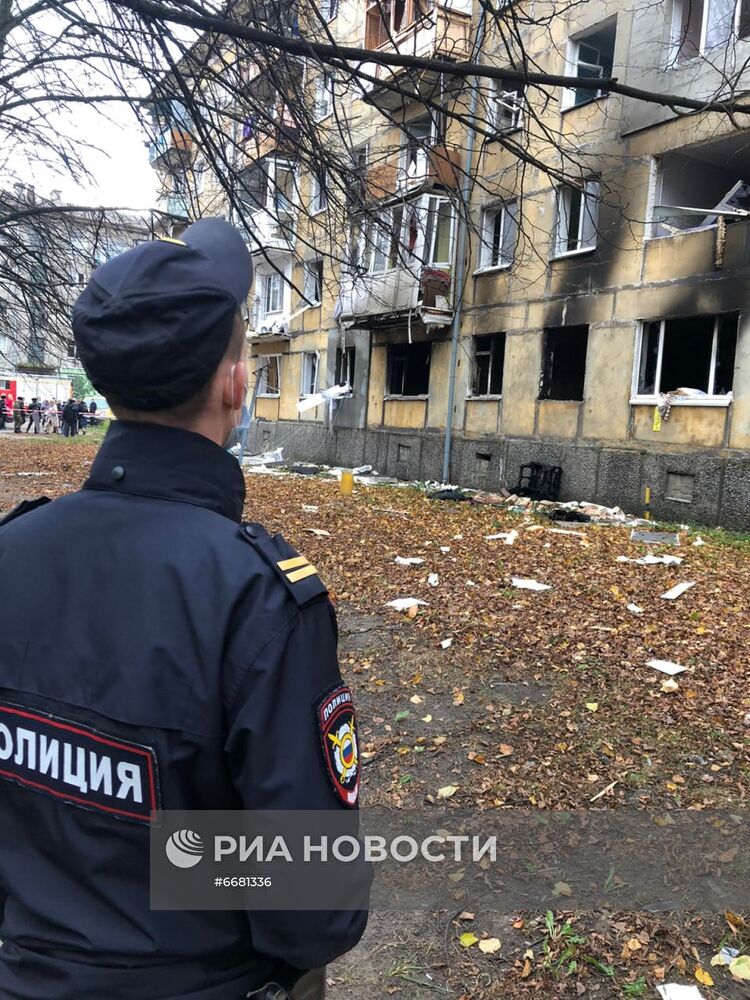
(82, 413)
(70, 418)
(34, 415)
(92, 411)
(18, 409)
(3, 403)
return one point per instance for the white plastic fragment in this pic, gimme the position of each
(524, 584)
(677, 590)
(506, 536)
(446, 643)
(650, 560)
(675, 991)
(318, 532)
(699, 541)
(433, 580)
(635, 609)
(408, 561)
(445, 548)
(310, 508)
(457, 538)
(404, 603)
(565, 531)
(666, 667)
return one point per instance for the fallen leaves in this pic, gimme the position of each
(447, 791)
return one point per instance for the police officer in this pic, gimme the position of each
(200, 677)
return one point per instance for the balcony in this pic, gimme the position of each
(176, 205)
(416, 28)
(272, 232)
(171, 149)
(374, 300)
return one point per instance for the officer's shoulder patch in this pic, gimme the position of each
(24, 507)
(336, 721)
(299, 576)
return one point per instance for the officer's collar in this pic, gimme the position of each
(151, 460)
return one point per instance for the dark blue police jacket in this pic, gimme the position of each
(155, 653)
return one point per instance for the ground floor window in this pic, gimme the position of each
(489, 360)
(310, 365)
(564, 362)
(409, 369)
(268, 375)
(696, 352)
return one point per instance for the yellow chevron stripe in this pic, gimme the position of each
(300, 574)
(170, 239)
(286, 564)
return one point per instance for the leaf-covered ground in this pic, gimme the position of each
(541, 700)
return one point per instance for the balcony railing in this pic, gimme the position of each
(373, 299)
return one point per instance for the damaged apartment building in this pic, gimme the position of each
(538, 273)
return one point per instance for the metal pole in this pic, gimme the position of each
(466, 185)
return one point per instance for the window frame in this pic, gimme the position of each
(263, 392)
(675, 31)
(590, 191)
(318, 193)
(267, 282)
(637, 398)
(325, 86)
(492, 211)
(389, 394)
(307, 356)
(495, 339)
(517, 107)
(312, 270)
(573, 61)
(346, 360)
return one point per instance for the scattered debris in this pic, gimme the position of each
(452, 493)
(677, 590)
(699, 541)
(405, 603)
(566, 531)
(433, 580)
(445, 548)
(508, 537)
(725, 957)
(492, 499)
(275, 457)
(655, 537)
(570, 516)
(604, 791)
(446, 643)
(318, 532)
(408, 561)
(651, 560)
(523, 584)
(666, 667)
(310, 508)
(635, 609)
(674, 991)
(670, 686)
(362, 470)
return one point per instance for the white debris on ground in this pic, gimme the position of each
(275, 457)
(405, 603)
(433, 580)
(446, 643)
(408, 561)
(666, 667)
(524, 584)
(650, 560)
(508, 537)
(677, 591)
(675, 991)
(635, 609)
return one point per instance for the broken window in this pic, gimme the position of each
(313, 283)
(498, 235)
(319, 199)
(386, 18)
(382, 241)
(489, 361)
(268, 375)
(253, 186)
(409, 369)
(439, 231)
(324, 92)
(345, 366)
(564, 362)
(271, 298)
(693, 353)
(577, 210)
(701, 25)
(418, 136)
(590, 56)
(310, 365)
(506, 113)
(695, 186)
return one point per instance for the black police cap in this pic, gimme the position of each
(153, 324)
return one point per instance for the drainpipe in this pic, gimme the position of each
(466, 185)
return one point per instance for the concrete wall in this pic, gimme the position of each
(591, 471)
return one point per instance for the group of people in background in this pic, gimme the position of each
(47, 416)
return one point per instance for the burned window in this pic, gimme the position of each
(489, 361)
(268, 375)
(499, 235)
(345, 366)
(695, 353)
(253, 186)
(564, 362)
(386, 18)
(694, 187)
(590, 57)
(577, 212)
(409, 369)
